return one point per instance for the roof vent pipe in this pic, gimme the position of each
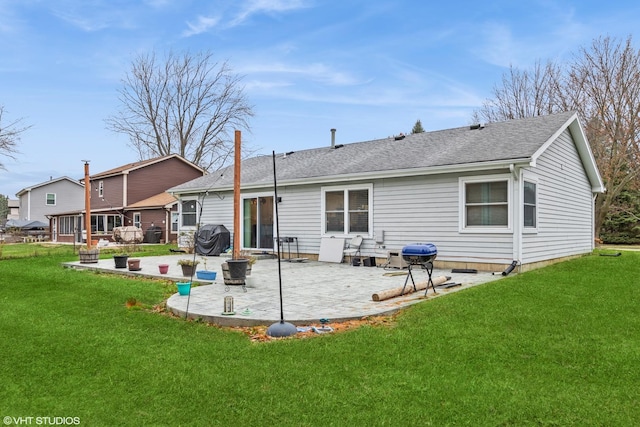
(333, 137)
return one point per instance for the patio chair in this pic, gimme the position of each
(353, 248)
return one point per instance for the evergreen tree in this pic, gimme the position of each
(417, 128)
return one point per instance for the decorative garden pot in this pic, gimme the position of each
(188, 270)
(206, 275)
(134, 264)
(120, 260)
(164, 268)
(184, 288)
(237, 277)
(88, 256)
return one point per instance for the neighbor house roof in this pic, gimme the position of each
(139, 164)
(495, 145)
(50, 181)
(158, 201)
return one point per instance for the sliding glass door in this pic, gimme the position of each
(258, 223)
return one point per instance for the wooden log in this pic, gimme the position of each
(396, 292)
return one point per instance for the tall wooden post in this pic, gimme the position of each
(236, 196)
(87, 203)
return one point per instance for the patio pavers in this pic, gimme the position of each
(311, 290)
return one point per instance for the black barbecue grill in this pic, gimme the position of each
(421, 254)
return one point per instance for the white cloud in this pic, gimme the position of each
(253, 7)
(202, 25)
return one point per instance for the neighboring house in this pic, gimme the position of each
(14, 209)
(518, 190)
(41, 201)
(132, 194)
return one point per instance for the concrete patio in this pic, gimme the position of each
(310, 290)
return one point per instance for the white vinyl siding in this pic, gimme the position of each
(564, 205)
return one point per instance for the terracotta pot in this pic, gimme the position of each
(164, 268)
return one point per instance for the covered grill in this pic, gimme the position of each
(421, 254)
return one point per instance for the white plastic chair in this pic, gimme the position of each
(353, 247)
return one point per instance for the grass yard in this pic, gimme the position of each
(555, 347)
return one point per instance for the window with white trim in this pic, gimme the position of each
(67, 224)
(347, 210)
(175, 216)
(100, 188)
(485, 203)
(51, 199)
(188, 213)
(530, 204)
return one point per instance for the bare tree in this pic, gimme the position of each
(602, 83)
(185, 104)
(9, 136)
(605, 88)
(524, 93)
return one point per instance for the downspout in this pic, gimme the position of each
(518, 219)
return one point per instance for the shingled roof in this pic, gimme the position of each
(514, 141)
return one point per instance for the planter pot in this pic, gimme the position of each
(206, 275)
(226, 275)
(184, 288)
(88, 256)
(188, 270)
(134, 264)
(121, 260)
(238, 268)
(164, 268)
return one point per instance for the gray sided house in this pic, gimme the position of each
(521, 190)
(40, 201)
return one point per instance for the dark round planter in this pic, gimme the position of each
(238, 268)
(121, 260)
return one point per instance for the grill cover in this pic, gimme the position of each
(212, 240)
(419, 253)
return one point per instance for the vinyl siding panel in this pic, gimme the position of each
(33, 205)
(565, 205)
(426, 209)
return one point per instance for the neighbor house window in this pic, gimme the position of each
(530, 204)
(485, 202)
(100, 188)
(347, 210)
(105, 223)
(189, 213)
(67, 224)
(175, 216)
(51, 199)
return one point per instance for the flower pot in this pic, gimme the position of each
(120, 260)
(134, 264)
(184, 288)
(238, 268)
(206, 275)
(187, 270)
(164, 268)
(226, 275)
(88, 256)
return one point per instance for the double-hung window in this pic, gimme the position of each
(347, 210)
(51, 199)
(486, 204)
(189, 213)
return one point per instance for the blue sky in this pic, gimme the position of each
(370, 69)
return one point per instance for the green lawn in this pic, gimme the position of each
(557, 346)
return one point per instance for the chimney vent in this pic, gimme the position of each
(333, 137)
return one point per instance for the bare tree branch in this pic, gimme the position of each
(602, 83)
(185, 104)
(10, 136)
